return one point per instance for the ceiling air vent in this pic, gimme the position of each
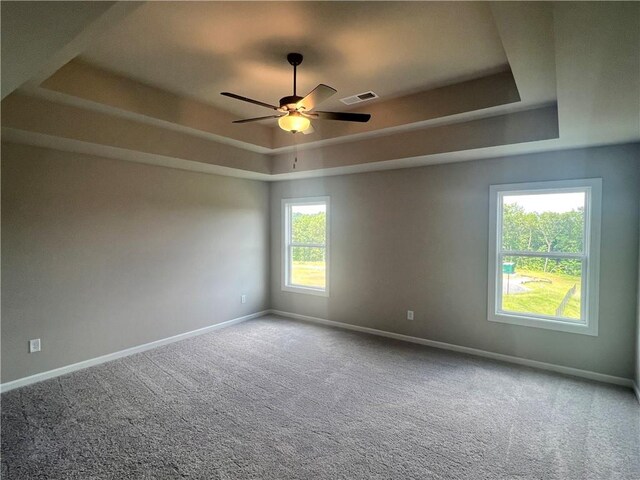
(361, 97)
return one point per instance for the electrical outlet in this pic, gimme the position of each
(243, 299)
(409, 314)
(34, 345)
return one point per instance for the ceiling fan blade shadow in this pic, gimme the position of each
(316, 96)
(247, 120)
(250, 100)
(344, 116)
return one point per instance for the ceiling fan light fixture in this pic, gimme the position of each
(294, 122)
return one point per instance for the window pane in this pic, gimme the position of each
(308, 267)
(544, 222)
(545, 286)
(308, 223)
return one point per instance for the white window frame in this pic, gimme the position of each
(287, 245)
(590, 256)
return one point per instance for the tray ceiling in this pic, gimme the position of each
(198, 49)
(457, 81)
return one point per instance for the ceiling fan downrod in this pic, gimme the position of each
(294, 59)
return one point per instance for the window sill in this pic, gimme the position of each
(305, 290)
(546, 323)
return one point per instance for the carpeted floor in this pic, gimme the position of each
(278, 399)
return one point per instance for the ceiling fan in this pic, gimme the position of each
(296, 112)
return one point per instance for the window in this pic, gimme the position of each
(306, 245)
(544, 254)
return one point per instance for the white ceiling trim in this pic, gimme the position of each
(66, 99)
(13, 135)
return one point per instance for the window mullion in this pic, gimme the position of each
(518, 253)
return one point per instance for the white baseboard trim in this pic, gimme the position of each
(576, 372)
(601, 377)
(56, 372)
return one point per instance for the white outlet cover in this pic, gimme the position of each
(409, 314)
(243, 299)
(34, 345)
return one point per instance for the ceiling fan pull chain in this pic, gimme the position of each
(295, 151)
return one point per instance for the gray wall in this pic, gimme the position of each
(100, 255)
(637, 377)
(417, 239)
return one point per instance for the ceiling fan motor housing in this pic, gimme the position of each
(289, 103)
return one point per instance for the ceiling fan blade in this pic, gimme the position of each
(308, 130)
(316, 96)
(344, 116)
(245, 99)
(246, 120)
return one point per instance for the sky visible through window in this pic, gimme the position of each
(309, 209)
(547, 202)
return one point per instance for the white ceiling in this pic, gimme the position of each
(199, 49)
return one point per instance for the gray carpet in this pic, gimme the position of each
(278, 399)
